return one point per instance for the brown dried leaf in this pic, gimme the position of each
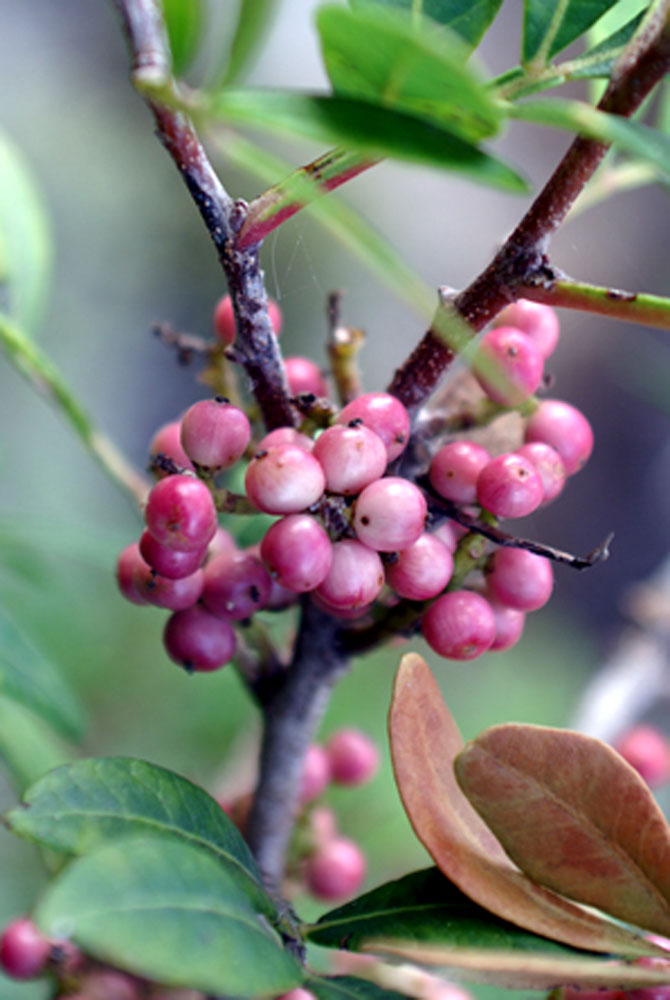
(424, 742)
(574, 816)
(527, 972)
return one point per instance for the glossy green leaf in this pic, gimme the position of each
(81, 805)
(364, 126)
(27, 676)
(347, 988)
(424, 906)
(185, 23)
(646, 143)
(25, 241)
(599, 60)
(419, 69)
(169, 911)
(550, 27)
(28, 747)
(253, 22)
(469, 19)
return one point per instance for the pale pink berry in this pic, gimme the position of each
(167, 441)
(383, 414)
(162, 592)
(224, 319)
(351, 457)
(236, 586)
(509, 626)
(509, 486)
(335, 870)
(128, 562)
(322, 824)
(109, 984)
(647, 750)
(355, 578)
(304, 376)
(222, 542)
(537, 321)
(24, 950)
(214, 434)
(508, 366)
(172, 563)
(520, 579)
(450, 533)
(390, 514)
(347, 614)
(286, 435)
(459, 625)
(284, 479)
(180, 513)
(455, 468)
(549, 466)
(297, 994)
(198, 640)
(297, 552)
(354, 758)
(565, 429)
(315, 773)
(421, 571)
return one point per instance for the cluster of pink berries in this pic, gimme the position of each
(378, 547)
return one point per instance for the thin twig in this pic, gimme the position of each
(633, 307)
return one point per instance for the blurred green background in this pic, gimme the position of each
(129, 249)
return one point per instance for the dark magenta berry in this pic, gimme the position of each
(199, 640)
(236, 586)
(129, 561)
(24, 950)
(162, 592)
(180, 513)
(172, 563)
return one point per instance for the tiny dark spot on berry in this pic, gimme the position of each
(261, 454)
(221, 399)
(254, 593)
(356, 422)
(189, 667)
(400, 438)
(365, 520)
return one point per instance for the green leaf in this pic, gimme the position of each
(28, 677)
(253, 22)
(84, 804)
(25, 242)
(365, 126)
(184, 20)
(469, 19)
(550, 27)
(647, 144)
(170, 912)
(28, 748)
(347, 988)
(424, 906)
(419, 69)
(599, 60)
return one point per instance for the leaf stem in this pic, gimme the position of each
(43, 376)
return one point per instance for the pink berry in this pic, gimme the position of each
(297, 552)
(346, 614)
(172, 563)
(508, 366)
(421, 571)
(167, 441)
(355, 577)
(351, 457)
(549, 466)
(304, 376)
(180, 513)
(455, 468)
(128, 562)
(646, 749)
(214, 434)
(198, 640)
(459, 625)
(297, 994)
(390, 514)
(564, 428)
(108, 984)
(224, 319)
(537, 321)
(383, 414)
(222, 542)
(24, 950)
(286, 435)
(509, 626)
(322, 824)
(162, 592)
(236, 586)
(509, 486)
(354, 758)
(446, 991)
(285, 479)
(336, 869)
(520, 579)
(450, 533)
(315, 773)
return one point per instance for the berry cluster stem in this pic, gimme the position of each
(522, 260)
